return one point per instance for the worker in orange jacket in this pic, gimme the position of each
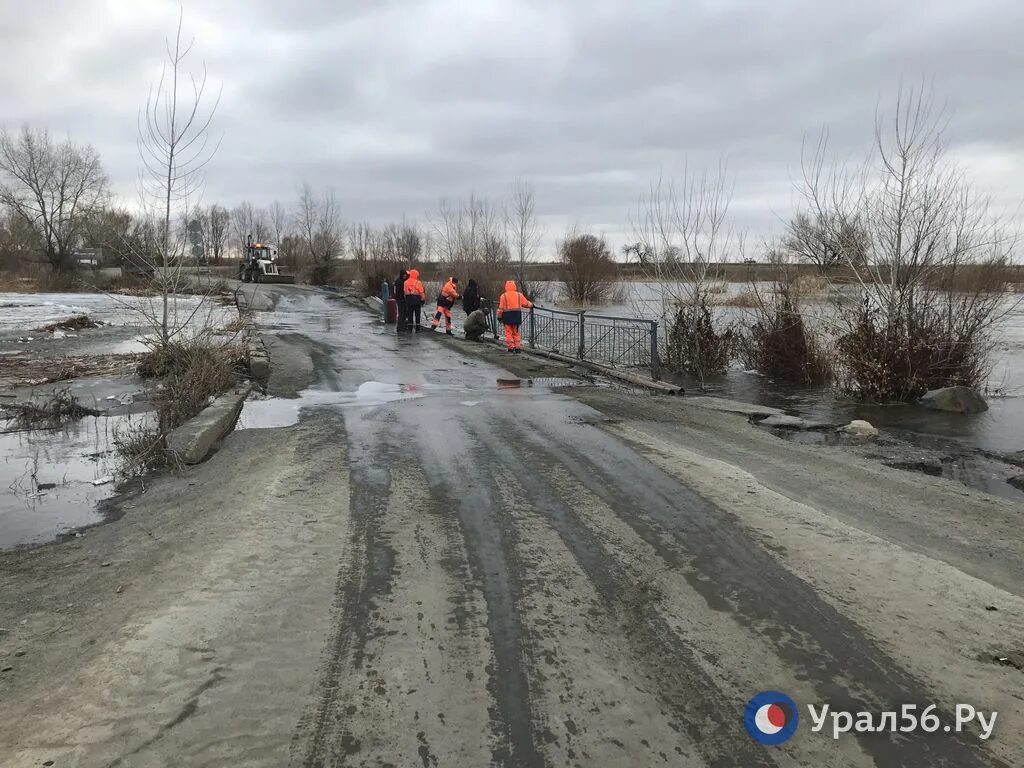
(445, 301)
(510, 313)
(415, 296)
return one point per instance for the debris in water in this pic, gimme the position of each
(76, 323)
(103, 480)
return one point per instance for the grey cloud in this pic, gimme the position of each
(396, 104)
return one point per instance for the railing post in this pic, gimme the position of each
(655, 361)
(532, 335)
(583, 336)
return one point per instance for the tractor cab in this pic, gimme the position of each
(258, 264)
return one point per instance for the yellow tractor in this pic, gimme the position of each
(259, 264)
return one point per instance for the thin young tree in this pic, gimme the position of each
(683, 230)
(175, 147)
(524, 229)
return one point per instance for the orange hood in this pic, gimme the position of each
(510, 285)
(414, 274)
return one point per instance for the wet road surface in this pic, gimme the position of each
(413, 557)
(522, 588)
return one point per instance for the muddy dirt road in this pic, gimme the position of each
(417, 560)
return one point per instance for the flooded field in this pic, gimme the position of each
(53, 480)
(53, 476)
(1001, 429)
(26, 312)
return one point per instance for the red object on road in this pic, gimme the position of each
(392, 312)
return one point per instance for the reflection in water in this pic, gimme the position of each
(52, 480)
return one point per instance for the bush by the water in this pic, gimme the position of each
(900, 355)
(695, 344)
(779, 344)
(190, 373)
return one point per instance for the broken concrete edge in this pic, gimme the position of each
(194, 440)
(257, 302)
(259, 359)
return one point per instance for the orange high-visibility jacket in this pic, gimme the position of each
(413, 286)
(449, 294)
(511, 305)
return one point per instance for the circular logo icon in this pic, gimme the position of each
(771, 718)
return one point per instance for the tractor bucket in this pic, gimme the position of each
(282, 279)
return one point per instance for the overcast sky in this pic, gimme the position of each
(396, 103)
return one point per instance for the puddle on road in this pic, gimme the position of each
(274, 412)
(47, 477)
(281, 412)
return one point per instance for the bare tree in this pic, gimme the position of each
(322, 231)
(588, 269)
(174, 145)
(470, 239)
(218, 222)
(279, 222)
(524, 230)
(826, 244)
(18, 241)
(248, 220)
(52, 187)
(683, 230)
(932, 276)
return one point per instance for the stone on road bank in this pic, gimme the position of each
(192, 442)
(954, 400)
(860, 428)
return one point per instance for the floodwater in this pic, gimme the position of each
(26, 311)
(52, 481)
(999, 430)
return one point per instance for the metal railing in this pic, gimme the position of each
(621, 342)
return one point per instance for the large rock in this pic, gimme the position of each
(954, 400)
(1017, 482)
(475, 325)
(860, 428)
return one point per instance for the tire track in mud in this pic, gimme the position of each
(490, 543)
(411, 669)
(364, 579)
(698, 707)
(733, 571)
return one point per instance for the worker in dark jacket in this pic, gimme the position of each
(398, 290)
(510, 314)
(471, 298)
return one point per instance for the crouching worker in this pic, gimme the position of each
(475, 325)
(510, 313)
(445, 301)
(414, 298)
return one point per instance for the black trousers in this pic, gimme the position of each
(415, 312)
(403, 314)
